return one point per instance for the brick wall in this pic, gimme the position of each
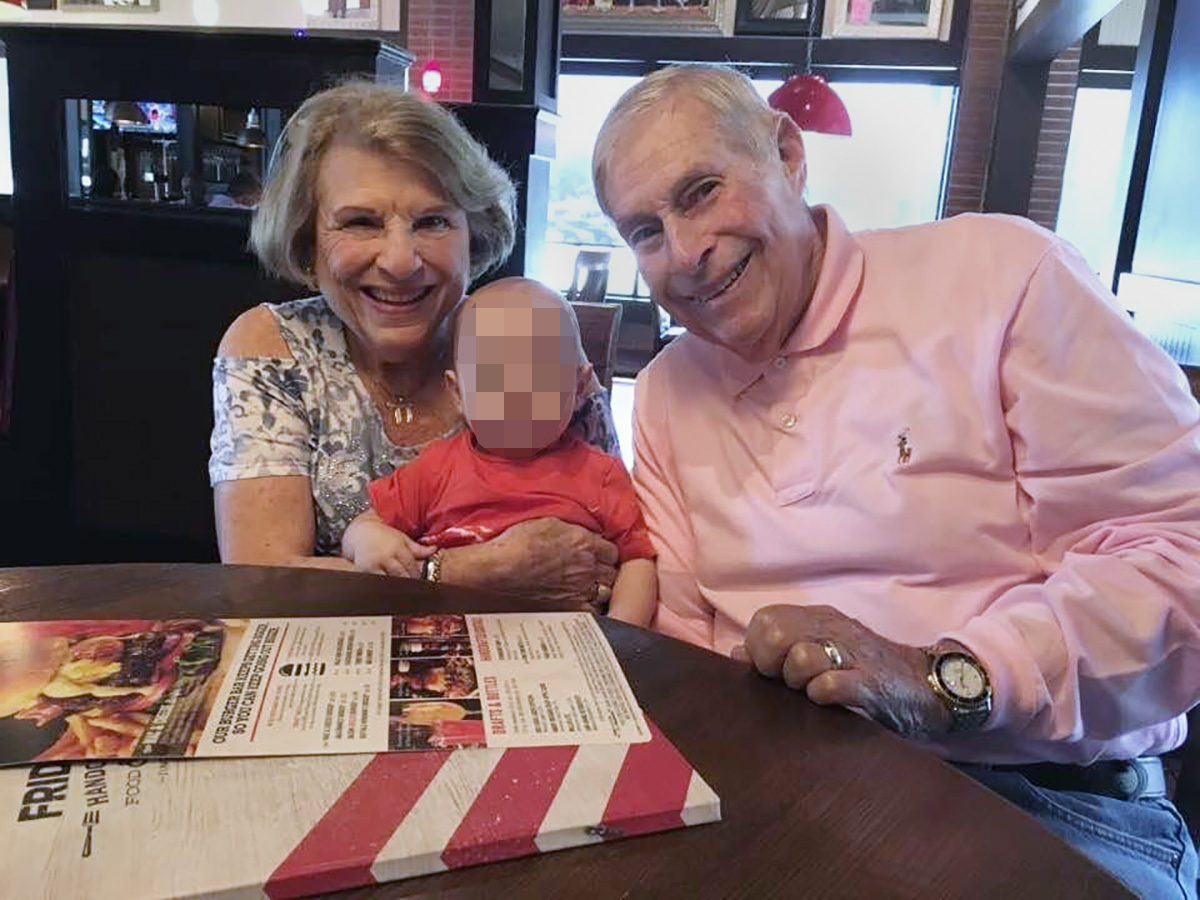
(444, 30)
(1052, 141)
(979, 93)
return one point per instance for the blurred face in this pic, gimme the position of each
(725, 242)
(392, 252)
(517, 368)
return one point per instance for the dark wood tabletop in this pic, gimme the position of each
(816, 803)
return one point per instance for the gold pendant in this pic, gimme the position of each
(403, 414)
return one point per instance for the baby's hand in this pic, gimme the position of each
(374, 546)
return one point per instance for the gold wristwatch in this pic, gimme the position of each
(961, 683)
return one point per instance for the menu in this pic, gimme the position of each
(284, 827)
(111, 689)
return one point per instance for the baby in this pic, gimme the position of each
(517, 375)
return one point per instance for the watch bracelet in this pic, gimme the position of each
(431, 568)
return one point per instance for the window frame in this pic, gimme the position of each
(1108, 66)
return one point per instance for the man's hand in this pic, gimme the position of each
(552, 564)
(374, 546)
(883, 679)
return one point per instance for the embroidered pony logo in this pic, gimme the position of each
(904, 445)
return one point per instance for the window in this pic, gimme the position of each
(1092, 202)
(575, 220)
(889, 173)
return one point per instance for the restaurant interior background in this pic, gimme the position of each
(132, 133)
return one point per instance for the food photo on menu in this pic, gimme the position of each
(415, 678)
(113, 688)
(434, 686)
(436, 724)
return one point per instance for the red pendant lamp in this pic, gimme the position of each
(811, 102)
(431, 77)
(11, 9)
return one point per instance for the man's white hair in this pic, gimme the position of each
(739, 113)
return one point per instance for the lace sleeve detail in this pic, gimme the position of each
(260, 424)
(593, 422)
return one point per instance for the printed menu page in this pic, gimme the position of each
(300, 686)
(551, 680)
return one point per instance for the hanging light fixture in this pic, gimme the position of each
(126, 112)
(810, 101)
(13, 9)
(431, 80)
(431, 77)
(252, 135)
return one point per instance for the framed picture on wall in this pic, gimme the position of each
(778, 17)
(109, 5)
(926, 19)
(648, 16)
(354, 14)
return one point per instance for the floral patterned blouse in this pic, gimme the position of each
(312, 415)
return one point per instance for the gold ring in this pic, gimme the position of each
(603, 593)
(833, 654)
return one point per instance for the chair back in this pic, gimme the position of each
(589, 284)
(1193, 377)
(599, 324)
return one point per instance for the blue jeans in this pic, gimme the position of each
(1144, 843)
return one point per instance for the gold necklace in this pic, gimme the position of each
(403, 411)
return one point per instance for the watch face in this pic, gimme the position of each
(961, 677)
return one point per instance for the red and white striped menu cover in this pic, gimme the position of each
(293, 827)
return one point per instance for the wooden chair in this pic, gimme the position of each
(589, 284)
(599, 324)
(1193, 377)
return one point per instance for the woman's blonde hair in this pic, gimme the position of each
(395, 122)
(740, 115)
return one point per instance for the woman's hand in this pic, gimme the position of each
(553, 564)
(374, 546)
(883, 679)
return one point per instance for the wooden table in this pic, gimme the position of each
(816, 803)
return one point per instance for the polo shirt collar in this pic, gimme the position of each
(837, 284)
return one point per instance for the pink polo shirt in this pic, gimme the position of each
(964, 438)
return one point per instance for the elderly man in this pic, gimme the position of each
(930, 474)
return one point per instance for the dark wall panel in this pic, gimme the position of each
(143, 333)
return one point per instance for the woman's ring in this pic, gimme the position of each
(836, 660)
(603, 593)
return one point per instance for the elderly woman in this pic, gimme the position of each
(383, 203)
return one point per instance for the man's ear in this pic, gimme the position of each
(790, 143)
(451, 379)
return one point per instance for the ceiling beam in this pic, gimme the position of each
(1053, 26)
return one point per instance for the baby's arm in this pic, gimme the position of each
(635, 592)
(374, 546)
